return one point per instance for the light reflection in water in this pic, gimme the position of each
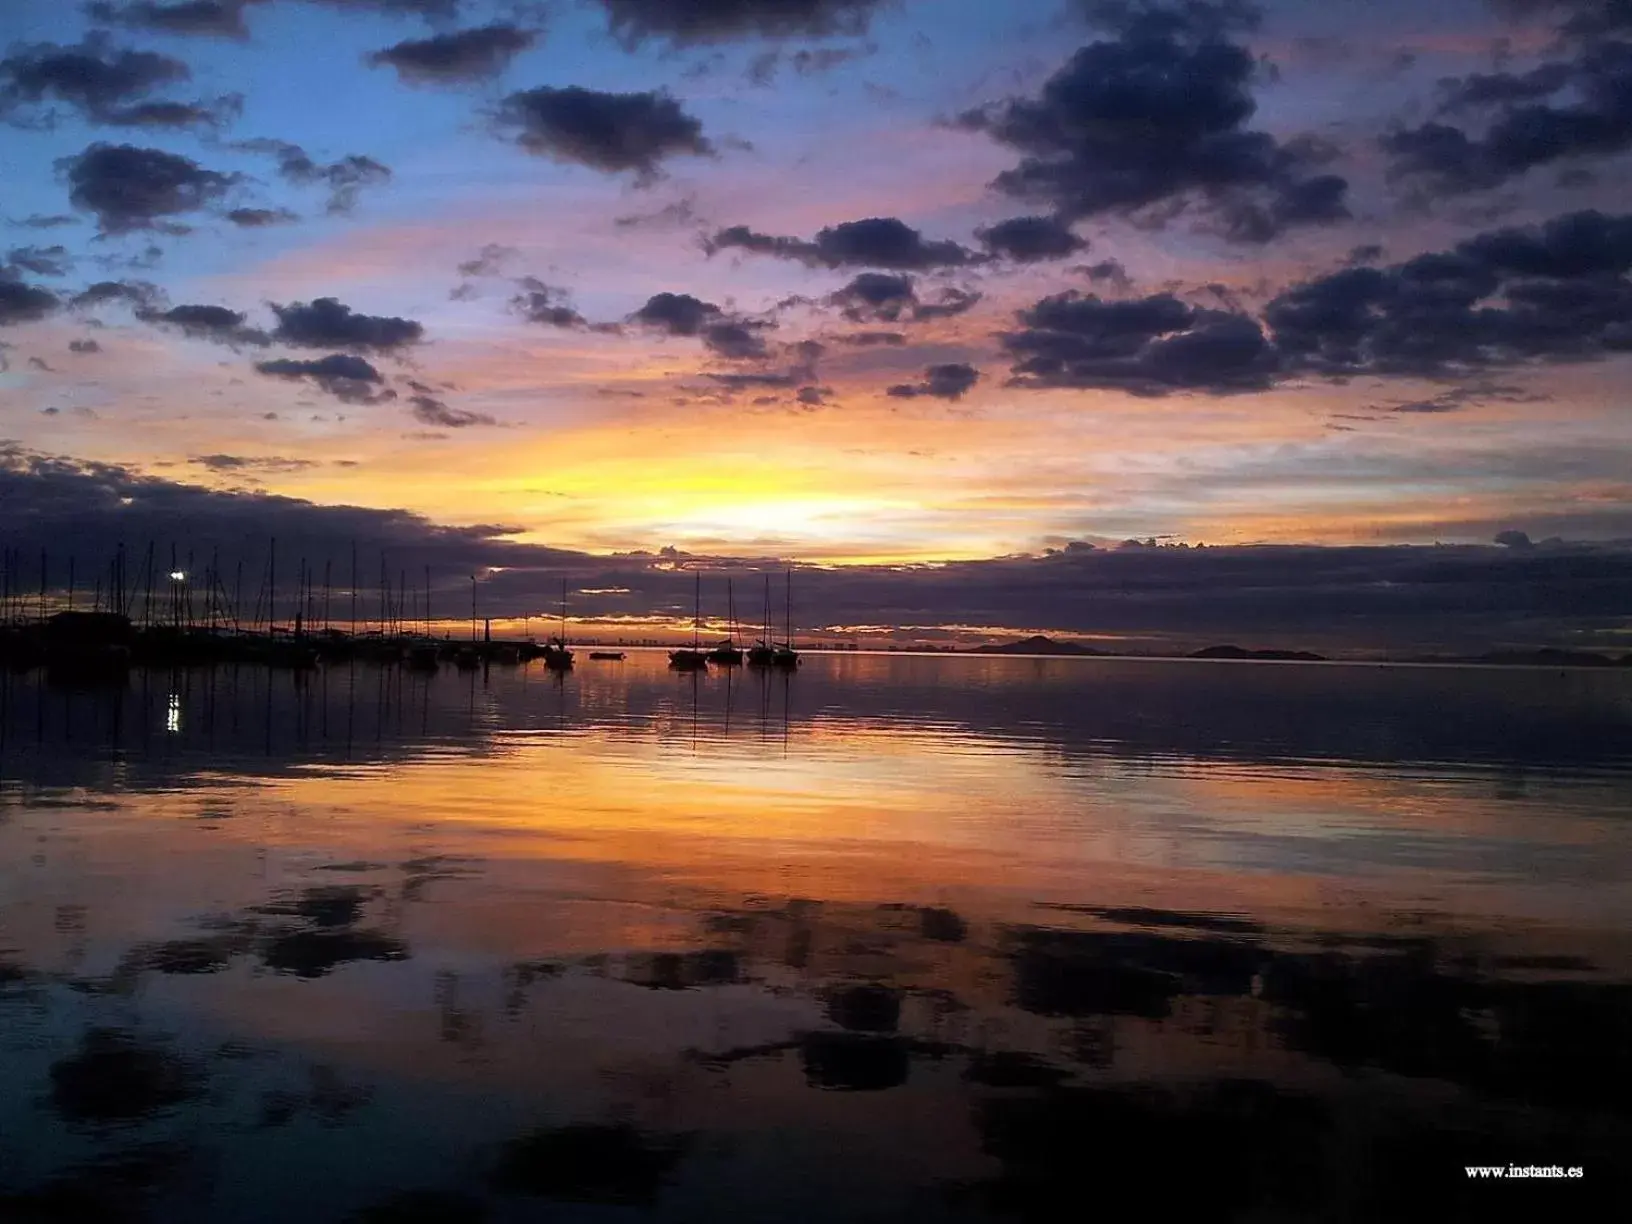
(892, 938)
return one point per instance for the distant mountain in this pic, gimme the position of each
(1038, 645)
(1238, 652)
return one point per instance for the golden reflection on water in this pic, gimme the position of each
(733, 907)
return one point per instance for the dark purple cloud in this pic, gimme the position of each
(1154, 122)
(329, 323)
(140, 294)
(1562, 111)
(344, 177)
(882, 297)
(687, 22)
(347, 378)
(215, 323)
(873, 242)
(1147, 346)
(38, 260)
(428, 410)
(1553, 292)
(260, 218)
(104, 84)
(23, 303)
(1031, 239)
(678, 314)
(458, 57)
(201, 18)
(129, 188)
(949, 382)
(540, 303)
(610, 132)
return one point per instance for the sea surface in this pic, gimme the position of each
(895, 938)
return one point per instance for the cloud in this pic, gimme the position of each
(875, 297)
(1109, 271)
(84, 346)
(137, 293)
(489, 261)
(737, 382)
(736, 340)
(874, 242)
(881, 297)
(458, 57)
(1553, 292)
(41, 261)
(1146, 346)
(805, 62)
(872, 339)
(46, 221)
(1559, 111)
(345, 177)
(679, 213)
(328, 323)
(432, 411)
(678, 314)
(544, 304)
(259, 218)
(610, 132)
(949, 303)
(1504, 298)
(1477, 391)
(949, 382)
(20, 303)
(130, 188)
(104, 84)
(244, 463)
(215, 323)
(342, 375)
(1030, 239)
(692, 22)
(1153, 123)
(203, 18)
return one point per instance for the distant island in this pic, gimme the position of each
(1038, 645)
(1239, 652)
(1041, 645)
(1550, 657)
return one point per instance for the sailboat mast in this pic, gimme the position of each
(787, 629)
(697, 613)
(563, 611)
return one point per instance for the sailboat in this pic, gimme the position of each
(762, 653)
(728, 652)
(786, 656)
(556, 655)
(693, 659)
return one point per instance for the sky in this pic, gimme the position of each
(905, 293)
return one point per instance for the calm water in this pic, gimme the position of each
(895, 938)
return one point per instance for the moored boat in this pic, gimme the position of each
(556, 655)
(693, 659)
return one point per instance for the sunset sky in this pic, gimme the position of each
(850, 283)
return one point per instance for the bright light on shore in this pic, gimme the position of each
(178, 576)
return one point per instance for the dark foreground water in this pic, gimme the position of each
(897, 938)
